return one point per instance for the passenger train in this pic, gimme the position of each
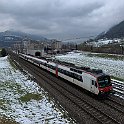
(92, 80)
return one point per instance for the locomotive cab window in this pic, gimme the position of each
(104, 81)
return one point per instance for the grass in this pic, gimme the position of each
(6, 120)
(2, 103)
(30, 96)
(105, 55)
(116, 78)
(12, 63)
(13, 86)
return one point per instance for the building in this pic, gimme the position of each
(17, 47)
(34, 48)
(56, 45)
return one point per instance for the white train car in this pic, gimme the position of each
(51, 67)
(92, 80)
(80, 78)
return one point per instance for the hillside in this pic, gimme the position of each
(7, 38)
(116, 31)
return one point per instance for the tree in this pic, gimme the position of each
(3, 52)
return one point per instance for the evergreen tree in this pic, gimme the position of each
(3, 52)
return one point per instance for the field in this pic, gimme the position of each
(23, 101)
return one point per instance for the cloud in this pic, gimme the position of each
(60, 18)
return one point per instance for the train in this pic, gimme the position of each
(91, 80)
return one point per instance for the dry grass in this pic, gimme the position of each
(5, 120)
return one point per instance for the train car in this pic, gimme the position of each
(51, 67)
(92, 80)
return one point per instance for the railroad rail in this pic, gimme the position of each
(76, 98)
(118, 87)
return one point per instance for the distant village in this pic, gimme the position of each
(112, 46)
(38, 48)
(52, 47)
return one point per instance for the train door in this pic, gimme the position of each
(92, 88)
(56, 70)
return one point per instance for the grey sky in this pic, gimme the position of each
(60, 18)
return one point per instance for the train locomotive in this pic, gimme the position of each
(92, 80)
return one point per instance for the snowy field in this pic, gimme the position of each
(109, 66)
(24, 101)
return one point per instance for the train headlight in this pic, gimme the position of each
(102, 91)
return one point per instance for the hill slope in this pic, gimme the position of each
(116, 31)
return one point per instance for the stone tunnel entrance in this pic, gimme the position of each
(37, 54)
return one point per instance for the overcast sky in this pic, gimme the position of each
(60, 18)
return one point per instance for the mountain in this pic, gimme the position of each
(8, 38)
(116, 31)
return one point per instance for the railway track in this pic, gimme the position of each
(118, 87)
(95, 113)
(75, 98)
(114, 104)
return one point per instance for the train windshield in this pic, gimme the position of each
(104, 81)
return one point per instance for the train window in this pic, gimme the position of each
(75, 70)
(75, 75)
(52, 67)
(80, 78)
(59, 70)
(62, 71)
(79, 71)
(92, 82)
(95, 84)
(71, 74)
(67, 73)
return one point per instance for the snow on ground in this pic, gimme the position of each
(15, 102)
(109, 66)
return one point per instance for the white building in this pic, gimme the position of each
(56, 45)
(34, 48)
